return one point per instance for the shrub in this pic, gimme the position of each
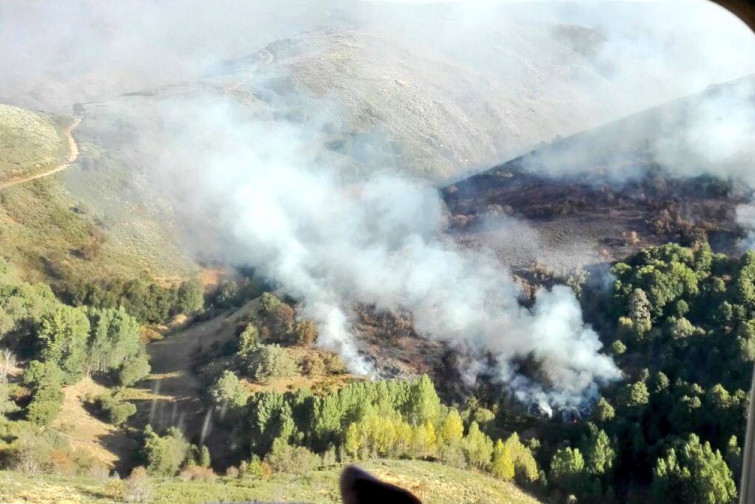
(45, 405)
(255, 468)
(305, 332)
(266, 362)
(134, 370)
(166, 454)
(291, 459)
(197, 473)
(116, 412)
(313, 365)
(138, 486)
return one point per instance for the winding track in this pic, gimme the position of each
(73, 155)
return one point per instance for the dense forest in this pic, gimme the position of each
(679, 321)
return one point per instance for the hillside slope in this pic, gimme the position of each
(670, 173)
(433, 483)
(49, 232)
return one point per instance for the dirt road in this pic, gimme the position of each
(73, 155)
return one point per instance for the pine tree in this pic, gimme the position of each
(693, 474)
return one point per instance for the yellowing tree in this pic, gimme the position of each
(525, 466)
(502, 465)
(424, 440)
(451, 429)
(353, 442)
(477, 447)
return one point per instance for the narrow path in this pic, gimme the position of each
(73, 155)
(266, 57)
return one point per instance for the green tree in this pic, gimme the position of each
(603, 412)
(693, 474)
(190, 297)
(42, 375)
(7, 405)
(227, 392)
(305, 332)
(204, 457)
(745, 281)
(248, 341)
(568, 469)
(291, 459)
(114, 339)
(618, 348)
(63, 336)
(639, 313)
(266, 362)
(115, 411)
(599, 453)
(45, 405)
(134, 369)
(636, 395)
(423, 404)
(165, 455)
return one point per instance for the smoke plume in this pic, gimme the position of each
(259, 173)
(331, 241)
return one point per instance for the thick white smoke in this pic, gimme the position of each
(332, 242)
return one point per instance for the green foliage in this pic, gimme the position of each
(266, 362)
(599, 452)
(147, 302)
(636, 395)
(693, 474)
(115, 411)
(189, 297)
(165, 455)
(134, 369)
(7, 404)
(423, 403)
(478, 448)
(248, 341)
(204, 459)
(40, 375)
(604, 412)
(618, 348)
(114, 339)
(45, 405)
(45, 380)
(63, 336)
(567, 469)
(525, 466)
(305, 332)
(227, 392)
(291, 459)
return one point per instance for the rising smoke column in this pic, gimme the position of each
(331, 240)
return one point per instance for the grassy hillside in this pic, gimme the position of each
(433, 483)
(53, 234)
(30, 142)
